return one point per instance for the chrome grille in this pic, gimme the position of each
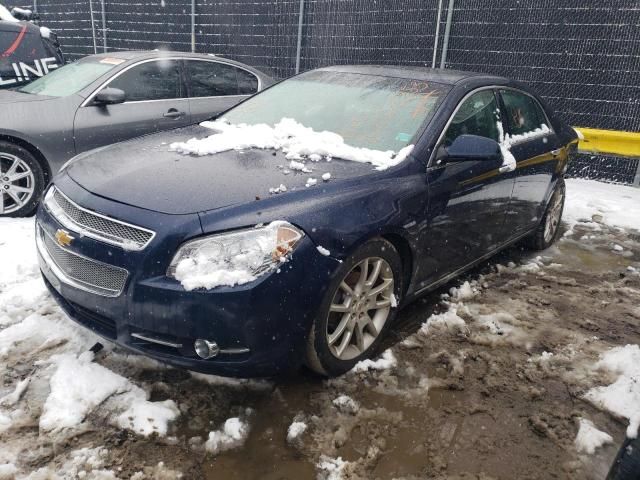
(95, 225)
(79, 271)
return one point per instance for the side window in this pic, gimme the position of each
(212, 79)
(247, 82)
(523, 114)
(158, 80)
(478, 115)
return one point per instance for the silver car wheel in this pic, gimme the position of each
(360, 308)
(17, 183)
(553, 217)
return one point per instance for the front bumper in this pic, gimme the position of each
(261, 326)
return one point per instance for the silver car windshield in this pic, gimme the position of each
(68, 79)
(371, 111)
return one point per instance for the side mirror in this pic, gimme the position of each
(109, 96)
(472, 147)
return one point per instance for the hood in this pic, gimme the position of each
(13, 96)
(144, 173)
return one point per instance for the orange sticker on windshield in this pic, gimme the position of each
(112, 61)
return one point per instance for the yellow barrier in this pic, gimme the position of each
(626, 144)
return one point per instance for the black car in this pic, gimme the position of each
(27, 51)
(389, 181)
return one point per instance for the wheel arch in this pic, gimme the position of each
(33, 150)
(405, 252)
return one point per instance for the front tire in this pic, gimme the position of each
(357, 310)
(547, 232)
(21, 181)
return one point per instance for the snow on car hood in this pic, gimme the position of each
(294, 139)
(145, 173)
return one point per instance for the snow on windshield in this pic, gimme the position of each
(6, 15)
(294, 139)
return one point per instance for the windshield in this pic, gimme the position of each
(70, 78)
(370, 111)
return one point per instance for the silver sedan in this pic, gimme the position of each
(104, 99)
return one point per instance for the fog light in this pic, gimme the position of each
(206, 349)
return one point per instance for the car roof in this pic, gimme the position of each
(129, 55)
(437, 75)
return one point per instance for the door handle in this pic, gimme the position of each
(507, 168)
(173, 113)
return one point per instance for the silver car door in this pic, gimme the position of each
(155, 100)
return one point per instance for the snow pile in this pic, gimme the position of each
(621, 398)
(7, 470)
(17, 251)
(281, 189)
(386, 361)
(464, 292)
(589, 438)
(70, 400)
(234, 261)
(296, 140)
(296, 429)
(507, 141)
(326, 177)
(23, 12)
(299, 167)
(346, 404)
(13, 397)
(449, 320)
(510, 140)
(215, 380)
(614, 205)
(331, 468)
(232, 435)
(311, 182)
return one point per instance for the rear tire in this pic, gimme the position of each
(548, 230)
(22, 181)
(360, 304)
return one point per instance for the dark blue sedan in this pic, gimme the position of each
(292, 230)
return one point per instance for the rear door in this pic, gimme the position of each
(155, 100)
(216, 86)
(537, 150)
(467, 200)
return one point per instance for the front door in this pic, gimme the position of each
(467, 200)
(155, 100)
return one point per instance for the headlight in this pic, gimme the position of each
(233, 258)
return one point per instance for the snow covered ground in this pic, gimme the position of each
(536, 357)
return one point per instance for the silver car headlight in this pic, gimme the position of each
(233, 258)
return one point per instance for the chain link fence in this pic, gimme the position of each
(582, 56)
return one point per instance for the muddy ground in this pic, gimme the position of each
(497, 397)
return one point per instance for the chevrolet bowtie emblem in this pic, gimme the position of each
(63, 238)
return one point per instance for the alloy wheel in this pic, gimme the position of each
(360, 308)
(17, 183)
(552, 221)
